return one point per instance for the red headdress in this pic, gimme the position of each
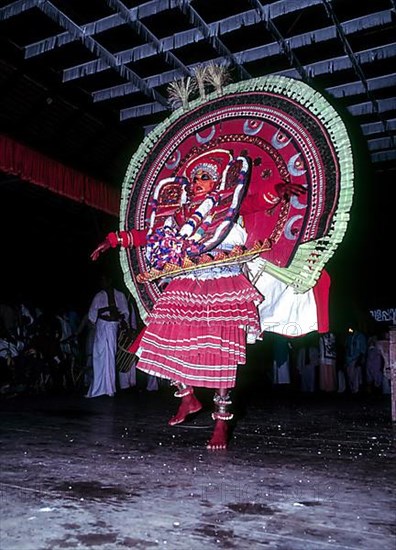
(295, 136)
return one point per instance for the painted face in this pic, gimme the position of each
(202, 184)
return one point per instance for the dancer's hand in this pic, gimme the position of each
(285, 190)
(105, 245)
(112, 240)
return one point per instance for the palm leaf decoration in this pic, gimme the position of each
(200, 74)
(217, 76)
(180, 91)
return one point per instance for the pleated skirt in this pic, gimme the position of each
(196, 332)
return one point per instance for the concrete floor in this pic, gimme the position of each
(301, 472)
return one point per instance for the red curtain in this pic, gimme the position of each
(33, 167)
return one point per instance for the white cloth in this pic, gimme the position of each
(8, 349)
(283, 310)
(128, 379)
(152, 383)
(105, 344)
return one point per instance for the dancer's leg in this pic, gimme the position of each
(189, 403)
(221, 416)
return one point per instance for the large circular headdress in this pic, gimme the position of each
(291, 134)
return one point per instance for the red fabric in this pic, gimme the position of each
(36, 168)
(112, 239)
(126, 239)
(196, 332)
(136, 343)
(322, 292)
(252, 204)
(139, 237)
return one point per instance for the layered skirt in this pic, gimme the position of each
(196, 332)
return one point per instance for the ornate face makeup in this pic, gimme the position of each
(202, 183)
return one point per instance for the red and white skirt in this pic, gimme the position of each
(196, 332)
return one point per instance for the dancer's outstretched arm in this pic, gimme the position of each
(112, 240)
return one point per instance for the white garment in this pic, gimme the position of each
(104, 352)
(128, 379)
(8, 349)
(283, 310)
(105, 344)
(152, 383)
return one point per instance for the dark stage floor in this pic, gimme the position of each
(309, 473)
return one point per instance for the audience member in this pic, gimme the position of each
(355, 351)
(108, 310)
(308, 363)
(374, 366)
(327, 362)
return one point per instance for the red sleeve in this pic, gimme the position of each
(253, 203)
(321, 293)
(139, 237)
(136, 343)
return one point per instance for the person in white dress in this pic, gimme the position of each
(108, 309)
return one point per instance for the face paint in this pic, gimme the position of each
(202, 184)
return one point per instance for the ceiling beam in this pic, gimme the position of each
(122, 90)
(147, 36)
(383, 156)
(320, 67)
(95, 27)
(253, 54)
(284, 44)
(16, 8)
(343, 62)
(61, 19)
(141, 110)
(378, 127)
(356, 88)
(367, 108)
(344, 41)
(380, 144)
(153, 7)
(176, 41)
(186, 37)
(354, 59)
(211, 36)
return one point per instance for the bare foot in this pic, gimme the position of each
(189, 405)
(219, 439)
